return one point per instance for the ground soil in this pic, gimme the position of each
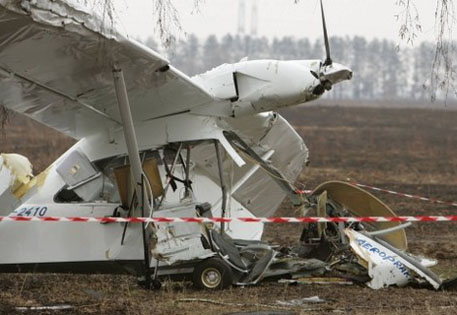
(407, 150)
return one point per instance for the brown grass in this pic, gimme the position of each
(42, 145)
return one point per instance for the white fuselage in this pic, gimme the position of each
(241, 91)
(263, 85)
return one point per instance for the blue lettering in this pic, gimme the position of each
(374, 250)
(384, 256)
(390, 258)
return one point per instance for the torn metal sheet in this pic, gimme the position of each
(296, 267)
(15, 176)
(177, 242)
(376, 253)
(260, 267)
(385, 266)
(266, 132)
(19, 167)
(360, 203)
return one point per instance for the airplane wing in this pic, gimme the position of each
(56, 61)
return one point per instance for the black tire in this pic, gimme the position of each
(156, 284)
(212, 274)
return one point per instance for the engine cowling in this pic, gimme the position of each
(261, 85)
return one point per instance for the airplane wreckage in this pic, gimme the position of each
(153, 142)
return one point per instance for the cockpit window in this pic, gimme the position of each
(106, 180)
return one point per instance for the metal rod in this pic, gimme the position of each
(170, 173)
(389, 230)
(134, 157)
(147, 260)
(187, 191)
(129, 214)
(272, 171)
(84, 181)
(245, 177)
(221, 178)
(128, 127)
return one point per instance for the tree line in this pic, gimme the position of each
(382, 71)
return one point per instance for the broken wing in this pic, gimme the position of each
(56, 60)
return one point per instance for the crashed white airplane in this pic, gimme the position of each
(150, 141)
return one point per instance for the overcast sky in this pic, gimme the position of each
(277, 18)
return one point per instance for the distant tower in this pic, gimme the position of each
(241, 17)
(254, 18)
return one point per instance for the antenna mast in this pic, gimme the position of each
(241, 17)
(254, 18)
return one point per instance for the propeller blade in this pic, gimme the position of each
(328, 61)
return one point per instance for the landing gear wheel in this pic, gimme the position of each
(156, 284)
(212, 274)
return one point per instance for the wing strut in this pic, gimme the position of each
(135, 162)
(273, 172)
(221, 178)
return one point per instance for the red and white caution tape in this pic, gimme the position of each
(432, 200)
(301, 192)
(219, 220)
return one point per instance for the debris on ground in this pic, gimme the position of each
(317, 280)
(370, 253)
(44, 308)
(298, 302)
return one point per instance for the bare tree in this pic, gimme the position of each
(166, 19)
(409, 19)
(442, 73)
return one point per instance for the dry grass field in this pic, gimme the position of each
(407, 150)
